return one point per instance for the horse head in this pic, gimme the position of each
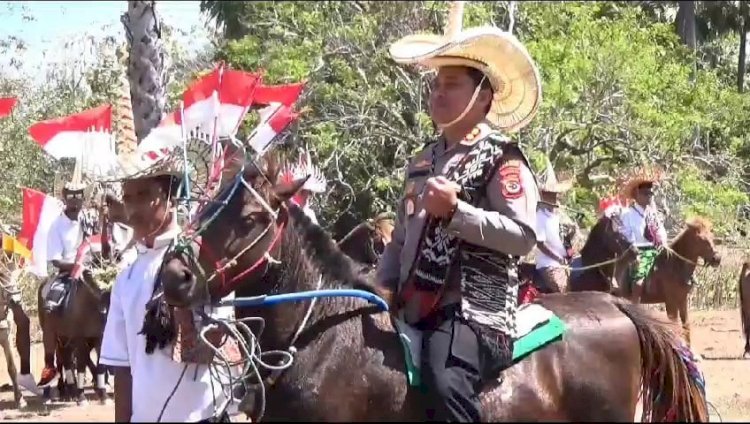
(606, 239)
(232, 239)
(698, 235)
(366, 242)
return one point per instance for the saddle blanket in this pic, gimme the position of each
(537, 326)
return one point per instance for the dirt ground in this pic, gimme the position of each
(716, 336)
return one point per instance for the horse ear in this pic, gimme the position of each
(284, 191)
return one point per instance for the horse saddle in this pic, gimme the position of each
(60, 294)
(536, 325)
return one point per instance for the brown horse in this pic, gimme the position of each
(79, 327)
(669, 280)
(349, 364)
(366, 242)
(744, 288)
(604, 257)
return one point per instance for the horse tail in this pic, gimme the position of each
(745, 304)
(672, 387)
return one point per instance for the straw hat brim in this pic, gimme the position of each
(140, 165)
(558, 187)
(498, 54)
(629, 186)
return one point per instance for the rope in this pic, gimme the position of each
(252, 354)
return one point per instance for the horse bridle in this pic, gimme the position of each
(183, 244)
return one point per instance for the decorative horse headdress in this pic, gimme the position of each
(611, 206)
(304, 168)
(498, 54)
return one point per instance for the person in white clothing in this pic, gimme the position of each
(66, 234)
(144, 382)
(643, 226)
(554, 234)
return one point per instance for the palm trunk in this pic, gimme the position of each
(146, 70)
(742, 66)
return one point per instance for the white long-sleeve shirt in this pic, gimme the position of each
(155, 376)
(634, 226)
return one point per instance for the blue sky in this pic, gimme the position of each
(56, 21)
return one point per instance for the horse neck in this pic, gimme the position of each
(683, 246)
(296, 272)
(595, 250)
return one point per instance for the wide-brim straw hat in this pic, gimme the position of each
(498, 54)
(548, 182)
(638, 177)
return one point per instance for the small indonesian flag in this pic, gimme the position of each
(222, 97)
(275, 117)
(6, 105)
(67, 137)
(39, 212)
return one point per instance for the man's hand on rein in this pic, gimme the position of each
(440, 197)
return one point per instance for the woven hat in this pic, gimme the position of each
(134, 162)
(636, 178)
(76, 184)
(549, 182)
(498, 54)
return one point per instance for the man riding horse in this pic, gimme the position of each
(554, 232)
(66, 234)
(643, 225)
(467, 213)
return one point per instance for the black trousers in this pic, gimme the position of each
(451, 368)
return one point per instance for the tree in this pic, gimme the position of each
(616, 93)
(146, 67)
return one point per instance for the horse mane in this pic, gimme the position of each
(594, 237)
(325, 254)
(697, 224)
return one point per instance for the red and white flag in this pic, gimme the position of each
(275, 117)
(219, 99)
(39, 212)
(6, 105)
(68, 137)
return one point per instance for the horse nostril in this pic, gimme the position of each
(187, 276)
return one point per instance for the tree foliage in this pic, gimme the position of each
(617, 93)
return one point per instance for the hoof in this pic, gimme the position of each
(82, 402)
(106, 402)
(21, 403)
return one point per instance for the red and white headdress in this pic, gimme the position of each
(611, 206)
(316, 182)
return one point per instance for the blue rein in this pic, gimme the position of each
(269, 300)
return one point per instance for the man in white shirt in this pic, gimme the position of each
(151, 387)
(643, 227)
(65, 236)
(554, 234)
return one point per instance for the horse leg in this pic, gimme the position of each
(100, 376)
(11, 363)
(82, 360)
(23, 343)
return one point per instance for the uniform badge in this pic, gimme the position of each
(510, 180)
(409, 206)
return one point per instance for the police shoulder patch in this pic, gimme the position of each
(510, 179)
